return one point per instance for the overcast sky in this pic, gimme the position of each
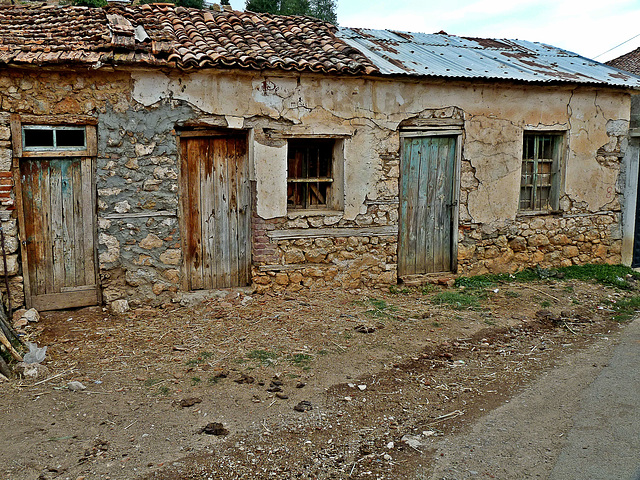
(586, 27)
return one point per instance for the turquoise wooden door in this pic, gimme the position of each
(427, 206)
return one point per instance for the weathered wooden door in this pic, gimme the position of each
(216, 199)
(58, 208)
(427, 205)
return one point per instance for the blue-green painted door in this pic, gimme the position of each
(427, 205)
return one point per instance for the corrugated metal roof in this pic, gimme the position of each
(443, 55)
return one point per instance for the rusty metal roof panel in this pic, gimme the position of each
(442, 55)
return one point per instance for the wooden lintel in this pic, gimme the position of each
(432, 122)
(159, 213)
(295, 233)
(62, 119)
(288, 267)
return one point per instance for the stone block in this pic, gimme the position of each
(5, 159)
(571, 251)
(295, 277)
(538, 240)
(171, 256)
(122, 207)
(151, 185)
(518, 244)
(142, 149)
(317, 255)
(172, 275)
(262, 280)
(119, 306)
(113, 248)
(282, 278)
(294, 256)
(5, 133)
(151, 241)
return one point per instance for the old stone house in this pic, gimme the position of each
(149, 151)
(630, 62)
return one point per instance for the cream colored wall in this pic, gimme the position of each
(370, 110)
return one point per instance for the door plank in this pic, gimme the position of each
(208, 212)
(438, 197)
(78, 225)
(194, 230)
(232, 192)
(88, 225)
(244, 202)
(222, 213)
(46, 276)
(57, 226)
(68, 231)
(31, 197)
(423, 221)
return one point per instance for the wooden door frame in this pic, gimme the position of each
(446, 131)
(19, 155)
(183, 187)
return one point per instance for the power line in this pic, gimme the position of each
(638, 35)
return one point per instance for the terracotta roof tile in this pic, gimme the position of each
(168, 35)
(629, 62)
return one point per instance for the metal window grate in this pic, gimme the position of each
(309, 173)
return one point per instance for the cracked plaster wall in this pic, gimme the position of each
(370, 111)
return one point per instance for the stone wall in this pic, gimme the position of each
(137, 175)
(549, 241)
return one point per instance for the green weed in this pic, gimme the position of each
(379, 308)
(512, 294)
(614, 275)
(195, 381)
(428, 288)
(626, 308)
(164, 391)
(545, 304)
(459, 301)
(301, 360)
(200, 359)
(265, 357)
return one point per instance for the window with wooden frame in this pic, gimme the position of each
(314, 175)
(53, 138)
(540, 177)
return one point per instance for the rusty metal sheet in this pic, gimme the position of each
(442, 55)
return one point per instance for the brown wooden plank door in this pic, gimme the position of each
(216, 200)
(427, 204)
(59, 222)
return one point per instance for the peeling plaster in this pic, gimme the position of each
(270, 164)
(371, 110)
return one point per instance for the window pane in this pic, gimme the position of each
(538, 182)
(70, 138)
(38, 137)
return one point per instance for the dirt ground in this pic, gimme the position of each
(208, 391)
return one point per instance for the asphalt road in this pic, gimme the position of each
(579, 421)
